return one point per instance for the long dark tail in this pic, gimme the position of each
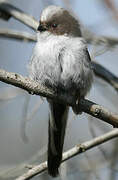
(57, 125)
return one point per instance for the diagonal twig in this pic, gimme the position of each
(17, 35)
(78, 149)
(36, 88)
(10, 10)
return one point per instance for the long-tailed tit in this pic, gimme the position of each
(60, 60)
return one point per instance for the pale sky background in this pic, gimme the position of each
(14, 57)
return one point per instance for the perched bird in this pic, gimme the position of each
(60, 60)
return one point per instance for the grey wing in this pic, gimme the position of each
(87, 72)
(77, 73)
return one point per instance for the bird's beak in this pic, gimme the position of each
(41, 28)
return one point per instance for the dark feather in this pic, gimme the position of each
(57, 125)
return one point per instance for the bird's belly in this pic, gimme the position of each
(47, 72)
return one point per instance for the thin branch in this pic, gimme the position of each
(110, 41)
(38, 89)
(10, 10)
(99, 112)
(105, 74)
(91, 37)
(78, 149)
(17, 35)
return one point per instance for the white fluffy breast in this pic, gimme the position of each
(61, 60)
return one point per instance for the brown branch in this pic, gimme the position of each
(99, 112)
(78, 149)
(10, 10)
(17, 35)
(38, 89)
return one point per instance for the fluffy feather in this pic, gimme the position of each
(60, 60)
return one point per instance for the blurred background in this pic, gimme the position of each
(24, 118)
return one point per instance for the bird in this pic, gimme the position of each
(60, 60)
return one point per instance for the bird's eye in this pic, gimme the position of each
(54, 25)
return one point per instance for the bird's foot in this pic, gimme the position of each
(76, 108)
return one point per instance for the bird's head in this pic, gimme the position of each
(58, 21)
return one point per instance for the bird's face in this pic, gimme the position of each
(58, 21)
